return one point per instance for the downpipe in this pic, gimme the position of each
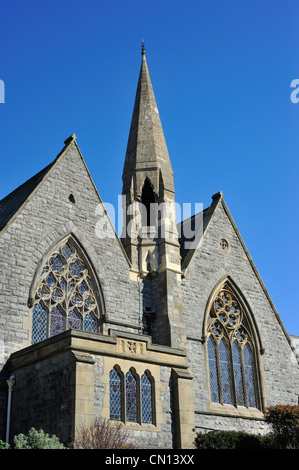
(10, 383)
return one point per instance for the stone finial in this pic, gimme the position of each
(143, 48)
(70, 139)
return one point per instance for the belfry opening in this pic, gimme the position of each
(148, 200)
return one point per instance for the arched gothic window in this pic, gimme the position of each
(133, 394)
(146, 399)
(148, 199)
(231, 352)
(131, 398)
(65, 295)
(115, 395)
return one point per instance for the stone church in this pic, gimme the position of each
(167, 328)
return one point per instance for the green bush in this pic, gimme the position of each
(285, 424)
(3, 445)
(37, 440)
(233, 440)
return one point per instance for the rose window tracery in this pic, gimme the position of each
(231, 351)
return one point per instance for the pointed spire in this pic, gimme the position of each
(147, 153)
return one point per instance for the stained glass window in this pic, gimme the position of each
(74, 320)
(146, 399)
(136, 394)
(66, 290)
(131, 397)
(115, 395)
(39, 323)
(225, 373)
(237, 361)
(90, 323)
(57, 321)
(230, 351)
(214, 384)
(249, 376)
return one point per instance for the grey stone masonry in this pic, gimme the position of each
(152, 285)
(212, 262)
(35, 231)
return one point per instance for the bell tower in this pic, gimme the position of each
(149, 235)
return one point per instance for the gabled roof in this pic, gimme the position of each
(193, 225)
(11, 203)
(187, 255)
(197, 224)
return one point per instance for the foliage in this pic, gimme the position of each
(37, 440)
(233, 440)
(285, 424)
(102, 434)
(3, 445)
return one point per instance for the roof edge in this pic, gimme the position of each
(68, 143)
(217, 200)
(255, 270)
(72, 139)
(211, 210)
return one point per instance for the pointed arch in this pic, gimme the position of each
(116, 394)
(132, 396)
(148, 197)
(233, 348)
(66, 287)
(147, 397)
(227, 281)
(150, 262)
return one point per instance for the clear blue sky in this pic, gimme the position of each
(221, 72)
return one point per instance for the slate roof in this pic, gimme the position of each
(187, 233)
(13, 201)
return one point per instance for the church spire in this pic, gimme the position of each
(150, 237)
(146, 149)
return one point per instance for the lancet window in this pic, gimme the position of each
(65, 295)
(131, 397)
(231, 352)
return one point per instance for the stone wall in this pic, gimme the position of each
(47, 217)
(63, 382)
(41, 398)
(278, 369)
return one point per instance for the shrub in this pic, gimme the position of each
(233, 440)
(102, 434)
(37, 440)
(285, 424)
(3, 445)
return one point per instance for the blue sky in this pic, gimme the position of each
(221, 72)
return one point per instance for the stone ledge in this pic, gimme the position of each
(82, 342)
(233, 412)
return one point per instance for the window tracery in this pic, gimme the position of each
(65, 295)
(231, 352)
